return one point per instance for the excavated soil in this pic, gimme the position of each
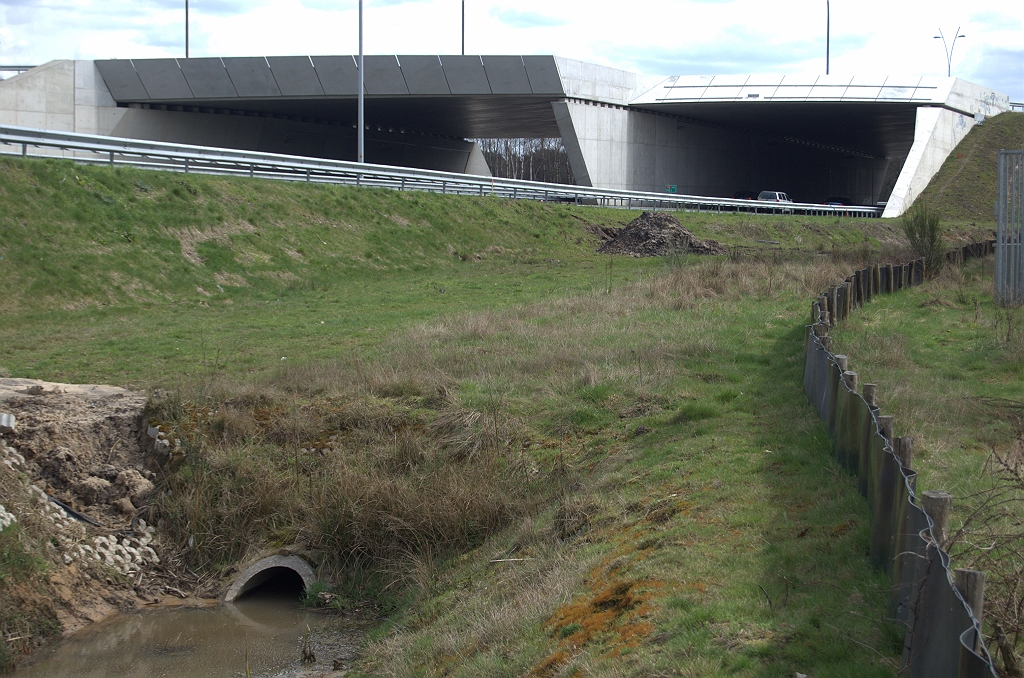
(87, 448)
(83, 445)
(656, 234)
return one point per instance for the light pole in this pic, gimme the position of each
(949, 51)
(828, 31)
(186, 29)
(463, 27)
(361, 124)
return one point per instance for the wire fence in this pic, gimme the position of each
(943, 636)
(154, 155)
(1009, 278)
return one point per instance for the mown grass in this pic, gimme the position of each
(631, 448)
(144, 277)
(949, 365)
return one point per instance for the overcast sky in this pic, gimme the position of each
(654, 37)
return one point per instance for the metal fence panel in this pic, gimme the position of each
(1010, 233)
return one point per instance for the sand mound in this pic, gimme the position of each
(655, 235)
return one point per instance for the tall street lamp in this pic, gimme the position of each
(828, 31)
(949, 51)
(361, 146)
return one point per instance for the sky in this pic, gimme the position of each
(653, 37)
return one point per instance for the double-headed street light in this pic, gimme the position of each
(949, 50)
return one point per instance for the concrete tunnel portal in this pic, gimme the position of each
(869, 139)
(279, 574)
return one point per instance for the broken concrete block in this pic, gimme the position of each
(7, 423)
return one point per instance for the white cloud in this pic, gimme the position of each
(658, 37)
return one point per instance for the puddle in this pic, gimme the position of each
(205, 642)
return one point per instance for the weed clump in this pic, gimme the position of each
(923, 229)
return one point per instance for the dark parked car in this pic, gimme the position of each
(744, 195)
(839, 201)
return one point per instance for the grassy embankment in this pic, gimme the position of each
(964, 190)
(627, 439)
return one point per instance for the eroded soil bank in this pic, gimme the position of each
(77, 473)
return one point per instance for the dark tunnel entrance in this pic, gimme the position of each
(278, 583)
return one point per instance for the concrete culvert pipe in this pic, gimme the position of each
(267, 569)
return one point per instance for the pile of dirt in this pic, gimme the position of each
(76, 470)
(83, 445)
(656, 234)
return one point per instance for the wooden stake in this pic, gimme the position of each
(938, 505)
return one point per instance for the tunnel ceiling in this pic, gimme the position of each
(868, 128)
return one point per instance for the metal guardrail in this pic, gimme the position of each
(1017, 106)
(155, 155)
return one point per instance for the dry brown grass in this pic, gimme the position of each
(393, 461)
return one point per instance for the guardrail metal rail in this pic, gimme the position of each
(155, 155)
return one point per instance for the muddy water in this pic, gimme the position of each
(196, 643)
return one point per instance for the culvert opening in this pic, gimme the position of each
(280, 575)
(281, 583)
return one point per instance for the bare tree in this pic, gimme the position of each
(530, 159)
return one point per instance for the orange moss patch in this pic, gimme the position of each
(613, 613)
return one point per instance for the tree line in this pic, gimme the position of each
(530, 159)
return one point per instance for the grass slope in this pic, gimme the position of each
(140, 277)
(965, 188)
(627, 438)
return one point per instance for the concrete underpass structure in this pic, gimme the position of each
(869, 140)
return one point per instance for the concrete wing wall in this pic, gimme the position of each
(936, 133)
(64, 95)
(43, 98)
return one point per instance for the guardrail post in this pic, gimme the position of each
(403, 184)
(112, 160)
(24, 150)
(250, 170)
(307, 175)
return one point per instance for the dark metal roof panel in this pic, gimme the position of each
(507, 75)
(543, 74)
(337, 74)
(162, 79)
(465, 75)
(207, 78)
(122, 80)
(251, 76)
(383, 75)
(424, 75)
(295, 76)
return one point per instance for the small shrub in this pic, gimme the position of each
(922, 228)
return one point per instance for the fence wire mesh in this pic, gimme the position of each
(1010, 232)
